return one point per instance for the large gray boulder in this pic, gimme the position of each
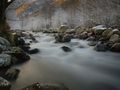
(5, 60)
(4, 84)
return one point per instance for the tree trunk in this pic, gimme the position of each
(4, 27)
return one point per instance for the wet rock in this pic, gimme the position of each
(63, 38)
(83, 35)
(91, 38)
(33, 51)
(59, 37)
(92, 43)
(38, 86)
(114, 38)
(12, 74)
(19, 54)
(4, 84)
(66, 38)
(115, 47)
(4, 44)
(32, 37)
(100, 47)
(66, 49)
(5, 60)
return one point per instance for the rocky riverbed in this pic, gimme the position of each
(82, 68)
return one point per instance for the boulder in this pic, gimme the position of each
(4, 44)
(19, 54)
(11, 74)
(5, 60)
(66, 49)
(59, 37)
(38, 86)
(114, 38)
(92, 43)
(63, 28)
(33, 51)
(115, 47)
(63, 38)
(100, 47)
(4, 84)
(112, 32)
(83, 35)
(98, 30)
(91, 38)
(66, 38)
(105, 33)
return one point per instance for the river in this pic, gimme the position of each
(81, 69)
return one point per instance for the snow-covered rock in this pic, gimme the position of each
(100, 27)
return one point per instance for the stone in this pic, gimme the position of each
(98, 30)
(100, 47)
(4, 84)
(19, 54)
(5, 60)
(105, 33)
(63, 28)
(38, 86)
(4, 44)
(114, 38)
(83, 35)
(115, 47)
(92, 43)
(66, 49)
(91, 38)
(12, 73)
(33, 51)
(63, 38)
(66, 38)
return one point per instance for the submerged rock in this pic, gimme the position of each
(5, 60)
(38, 86)
(4, 84)
(66, 49)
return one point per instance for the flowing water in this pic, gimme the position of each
(81, 69)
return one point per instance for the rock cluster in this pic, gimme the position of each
(101, 37)
(12, 52)
(38, 86)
